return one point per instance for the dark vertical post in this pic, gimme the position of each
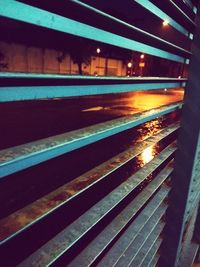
(185, 192)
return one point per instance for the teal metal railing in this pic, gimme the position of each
(97, 219)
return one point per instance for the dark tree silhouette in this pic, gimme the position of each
(80, 51)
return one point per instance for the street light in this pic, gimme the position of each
(165, 23)
(98, 50)
(129, 64)
(129, 70)
(141, 64)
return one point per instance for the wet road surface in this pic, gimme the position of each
(28, 121)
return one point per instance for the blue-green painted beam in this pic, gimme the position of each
(190, 5)
(162, 15)
(147, 34)
(26, 13)
(185, 16)
(21, 157)
(29, 75)
(20, 93)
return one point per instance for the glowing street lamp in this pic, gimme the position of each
(142, 56)
(141, 64)
(165, 23)
(129, 64)
(129, 70)
(98, 50)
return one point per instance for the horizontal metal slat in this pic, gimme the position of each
(67, 238)
(139, 248)
(182, 13)
(129, 258)
(151, 258)
(112, 256)
(98, 246)
(52, 21)
(83, 85)
(34, 213)
(154, 262)
(153, 238)
(21, 157)
(178, 12)
(21, 93)
(146, 248)
(28, 75)
(189, 4)
(159, 13)
(187, 7)
(129, 26)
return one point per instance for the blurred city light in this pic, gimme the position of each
(165, 23)
(98, 50)
(129, 65)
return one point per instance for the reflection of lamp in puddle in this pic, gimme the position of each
(147, 155)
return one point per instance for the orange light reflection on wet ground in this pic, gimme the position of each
(152, 99)
(147, 155)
